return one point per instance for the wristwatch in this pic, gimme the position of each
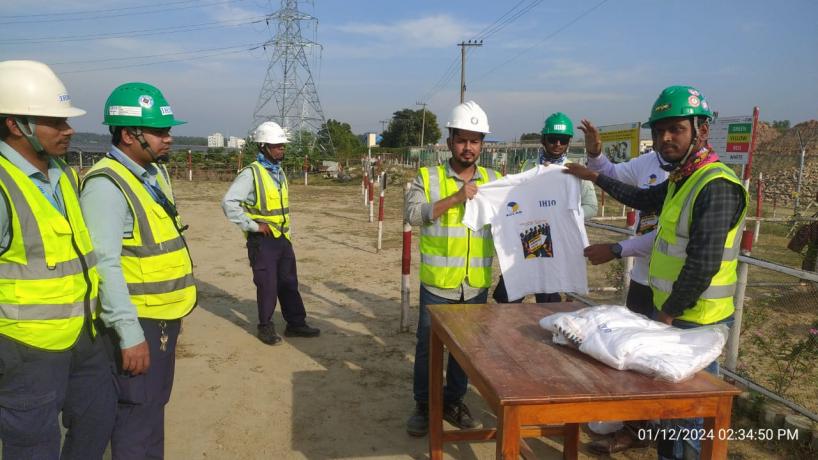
(616, 249)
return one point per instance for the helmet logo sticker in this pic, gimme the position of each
(474, 120)
(165, 110)
(693, 92)
(124, 111)
(146, 101)
(662, 108)
(560, 127)
(64, 98)
(693, 101)
(704, 105)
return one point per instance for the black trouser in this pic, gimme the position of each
(640, 299)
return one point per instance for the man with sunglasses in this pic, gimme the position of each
(556, 135)
(146, 273)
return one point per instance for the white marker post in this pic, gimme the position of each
(189, 166)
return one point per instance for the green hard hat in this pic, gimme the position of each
(679, 101)
(138, 104)
(558, 123)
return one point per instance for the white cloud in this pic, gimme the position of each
(437, 31)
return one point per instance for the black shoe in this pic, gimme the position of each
(418, 423)
(301, 331)
(458, 414)
(267, 334)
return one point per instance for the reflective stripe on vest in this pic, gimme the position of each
(670, 249)
(155, 259)
(449, 251)
(48, 274)
(271, 205)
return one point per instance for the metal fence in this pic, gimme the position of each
(774, 343)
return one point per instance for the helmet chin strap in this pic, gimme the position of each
(28, 127)
(140, 136)
(671, 166)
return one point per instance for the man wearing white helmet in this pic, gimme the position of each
(258, 202)
(455, 262)
(50, 358)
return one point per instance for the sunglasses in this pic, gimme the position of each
(556, 138)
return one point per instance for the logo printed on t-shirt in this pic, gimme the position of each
(536, 241)
(513, 208)
(547, 203)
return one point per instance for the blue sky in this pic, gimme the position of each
(608, 64)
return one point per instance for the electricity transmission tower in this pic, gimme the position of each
(288, 95)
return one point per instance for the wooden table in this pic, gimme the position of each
(530, 382)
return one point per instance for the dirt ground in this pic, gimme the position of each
(346, 394)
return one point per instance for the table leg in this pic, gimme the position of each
(435, 396)
(716, 448)
(570, 442)
(508, 433)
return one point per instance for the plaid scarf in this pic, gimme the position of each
(697, 161)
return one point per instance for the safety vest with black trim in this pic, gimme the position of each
(449, 251)
(670, 249)
(48, 274)
(155, 259)
(272, 206)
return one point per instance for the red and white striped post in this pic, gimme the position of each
(406, 261)
(189, 166)
(365, 181)
(380, 210)
(759, 201)
(371, 200)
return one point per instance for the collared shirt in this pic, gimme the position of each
(242, 190)
(419, 212)
(49, 186)
(717, 209)
(109, 220)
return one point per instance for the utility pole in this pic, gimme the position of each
(423, 121)
(463, 46)
(383, 126)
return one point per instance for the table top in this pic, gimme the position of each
(517, 359)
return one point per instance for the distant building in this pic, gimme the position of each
(215, 140)
(234, 142)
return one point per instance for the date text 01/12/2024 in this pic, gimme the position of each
(724, 434)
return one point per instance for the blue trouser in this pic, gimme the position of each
(456, 381)
(500, 295)
(276, 278)
(139, 432)
(682, 449)
(35, 385)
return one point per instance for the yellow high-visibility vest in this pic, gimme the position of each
(155, 259)
(272, 206)
(670, 249)
(48, 274)
(449, 251)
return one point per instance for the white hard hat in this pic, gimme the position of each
(271, 133)
(470, 117)
(32, 88)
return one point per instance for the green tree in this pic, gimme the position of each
(781, 125)
(404, 129)
(530, 137)
(345, 143)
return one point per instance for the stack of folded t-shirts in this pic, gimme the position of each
(626, 340)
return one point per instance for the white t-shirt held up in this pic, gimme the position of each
(538, 231)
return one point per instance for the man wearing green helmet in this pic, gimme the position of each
(146, 273)
(556, 135)
(701, 209)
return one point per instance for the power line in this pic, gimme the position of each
(138, 32)
(246, 46)
(142, 64)
(116, 12)
(546, 38)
